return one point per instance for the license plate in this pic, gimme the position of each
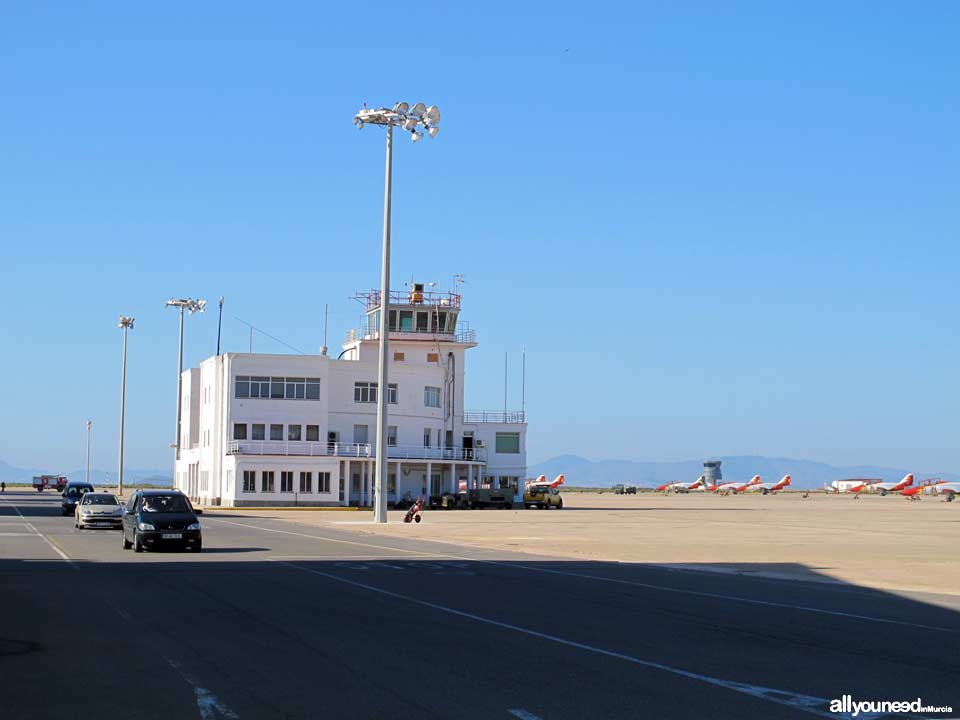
(101, 524)
(171, 536)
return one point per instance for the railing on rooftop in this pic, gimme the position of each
(370, 331)
(410, 297)
(495, 416)
(351, 450)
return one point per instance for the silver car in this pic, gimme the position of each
(98, 510)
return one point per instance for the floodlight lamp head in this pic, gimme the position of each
(432, 115)
(401, 108)
(416, 136)
(410, 123)
(418, 110)
(432, 131)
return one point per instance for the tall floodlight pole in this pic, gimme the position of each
(89, 425)
(190, 306)
(403, 116)
(127, 324)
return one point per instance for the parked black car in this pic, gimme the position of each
(71, 496)
(155, 518)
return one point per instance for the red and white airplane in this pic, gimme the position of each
(681, 486)
(737, 486)
(888, 487)
(927, 487)
(767, 487)
(542, 480)
(950, 489)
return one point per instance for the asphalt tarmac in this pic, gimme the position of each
(276, 619)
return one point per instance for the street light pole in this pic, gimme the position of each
(191, 306)
(127, 324)
(89, 424)
(402, 115)
(379, 494)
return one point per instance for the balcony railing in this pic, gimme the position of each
(409, 297)
(352, 450)
(495, 416)
(372, 332)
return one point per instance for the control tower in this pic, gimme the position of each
(711, 472)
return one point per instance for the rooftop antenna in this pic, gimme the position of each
(219, 325)
(523, 386)
(323, 350)
(504, 386)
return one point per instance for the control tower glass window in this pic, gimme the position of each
(406, 321)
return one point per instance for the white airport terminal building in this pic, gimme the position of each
(266, 429)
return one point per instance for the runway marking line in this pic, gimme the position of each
(599, 578)
(797, 701)
(523, 714)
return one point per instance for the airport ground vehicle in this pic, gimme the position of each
(157, 518)
(486, 497)
(72, 494)
(42, 482)
(98, 510)
(542, 496)
(624, 490)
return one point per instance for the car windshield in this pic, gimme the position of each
(537, 490)
(165, 504)
(77, 491)
(103, 499)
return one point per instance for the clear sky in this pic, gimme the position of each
(717, 228)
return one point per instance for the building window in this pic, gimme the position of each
(276, 388)
(276, 432)
(306, 482)
(242, 386)
(406, 320)
(508, 443)
(509, 481)
(249, 481)
(366, 392)
(293, 432)
(258, 431)
(266, 481)
(313, 388)
(323, 482)
(392, 435)
(426, 437)
(398, 357)
(433, 357)
(313, 433)
(239, 431)
(286, 481)
(360, 434)
(423, 321)
(259, 387)
(431, 396)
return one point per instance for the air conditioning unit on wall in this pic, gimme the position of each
(479, 443)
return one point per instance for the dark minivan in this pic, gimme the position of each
(159, 518)
(71, 496)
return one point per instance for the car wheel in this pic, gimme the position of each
(123, 538)
(137, 545)
(560, 504)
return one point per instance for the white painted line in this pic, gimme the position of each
(523, 714)
(804, 703)
(209, 705)
(57, 550)
(618, 581)
(16, 534)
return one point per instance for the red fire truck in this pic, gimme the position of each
(42, 482)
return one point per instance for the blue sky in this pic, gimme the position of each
(716, 228)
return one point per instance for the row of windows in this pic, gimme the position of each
(402, 356)
(268, 481)
(277, 388)
(258, 431)
(366, 392)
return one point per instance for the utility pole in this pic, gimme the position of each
(89, 425)
(127, 324)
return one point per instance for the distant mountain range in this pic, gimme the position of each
(11, 474)
(804, 473)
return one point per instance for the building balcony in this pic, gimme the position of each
(504, 417)
(364, 451)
